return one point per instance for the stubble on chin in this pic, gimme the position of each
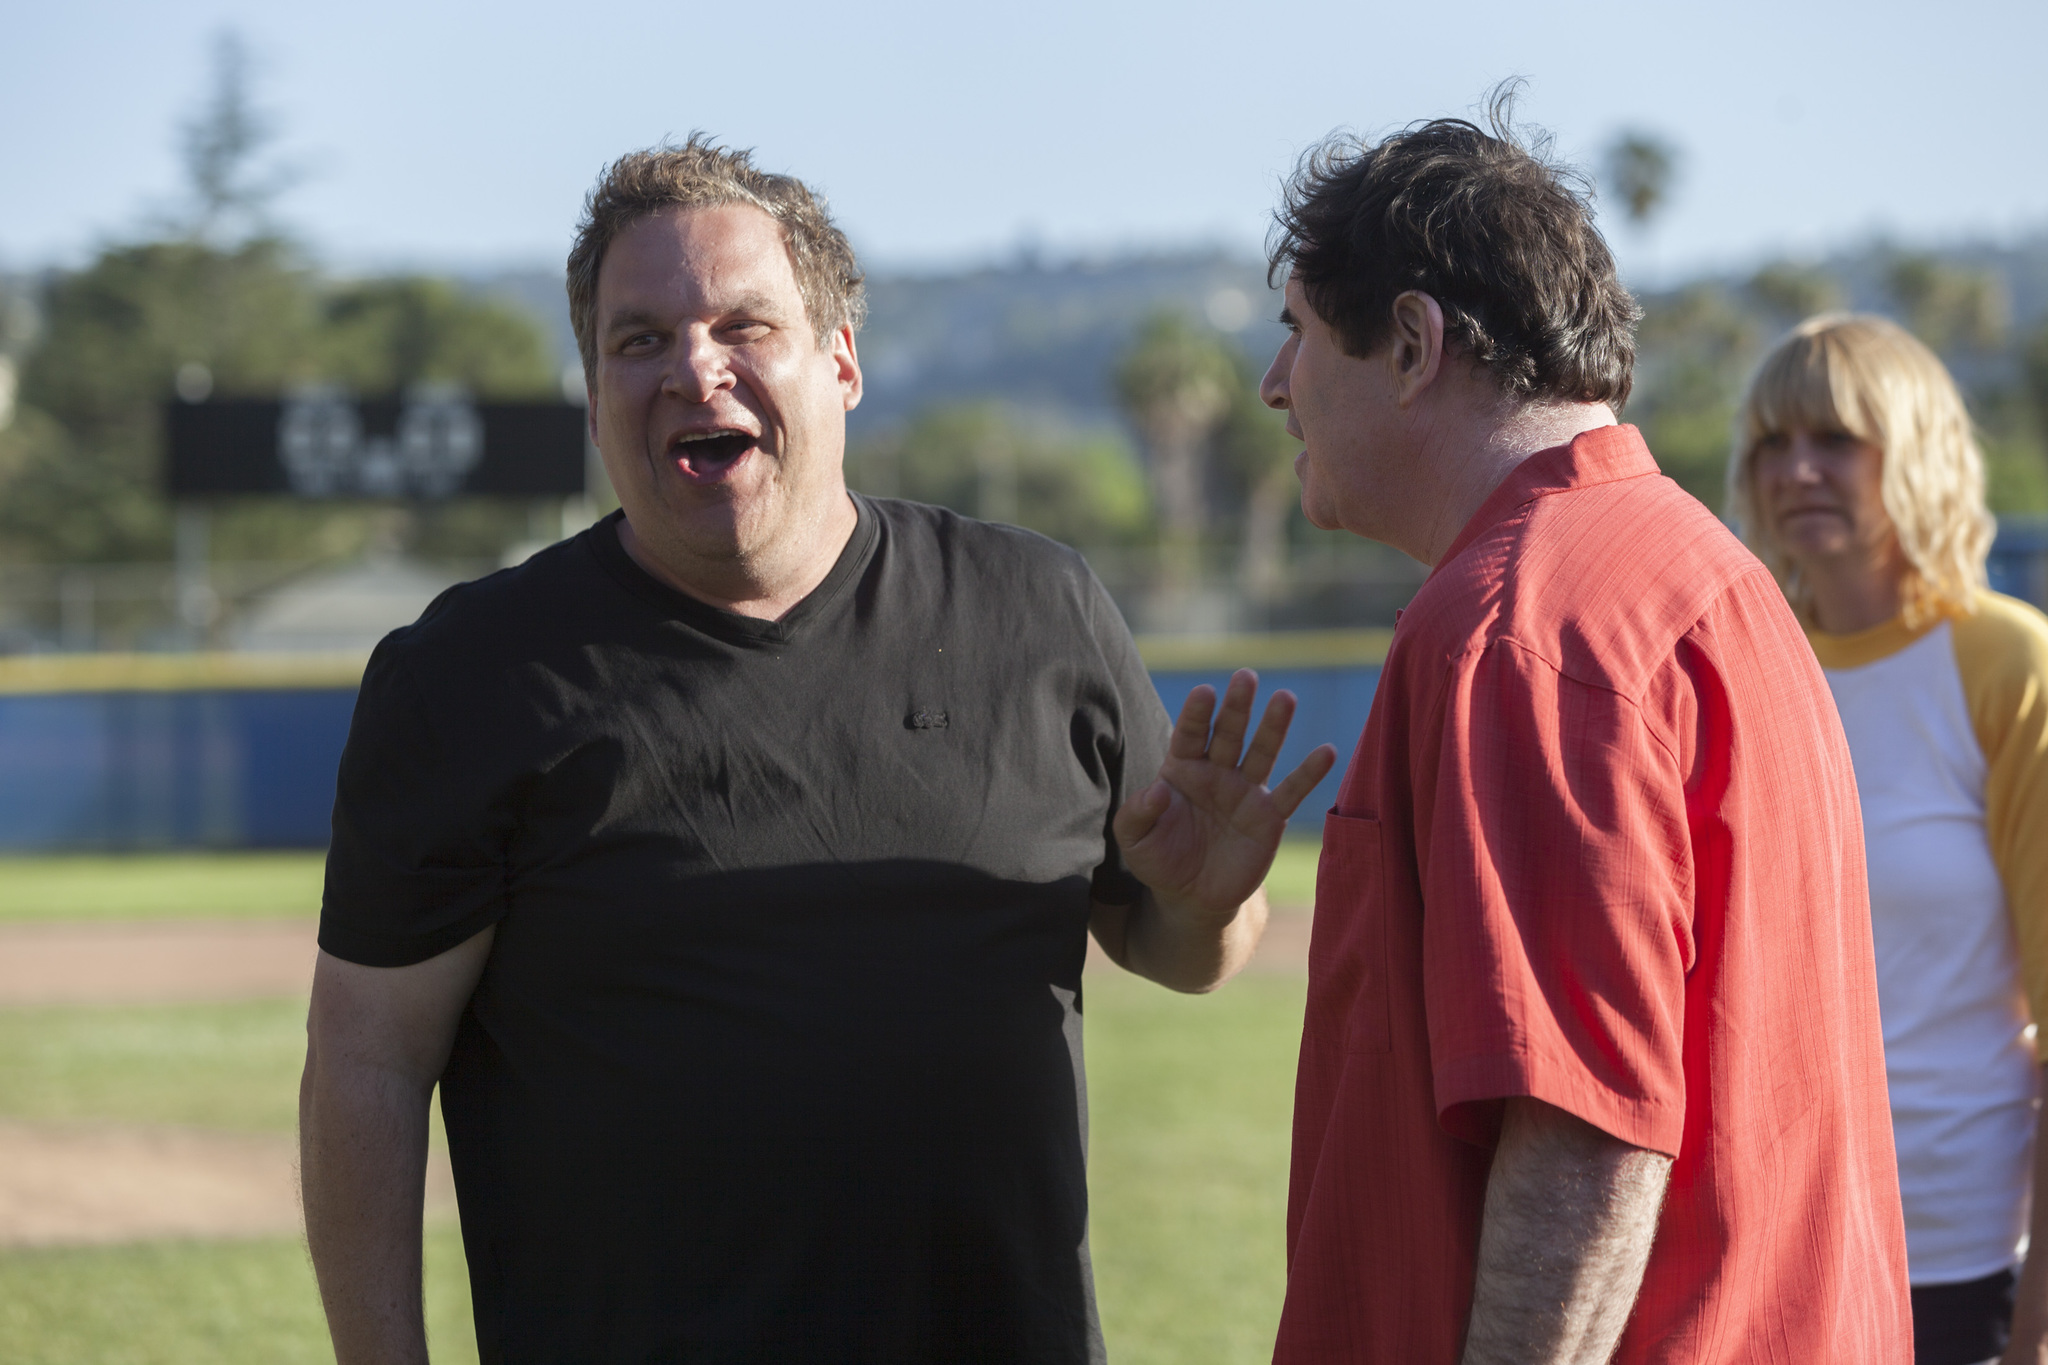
(755, 524)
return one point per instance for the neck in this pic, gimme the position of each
(1852, 594)
(1470, 455)
(765, 585)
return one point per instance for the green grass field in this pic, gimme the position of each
(1293, 878)
(287, 885)
(1190, 1099)
(166, 886)
(204, 1066)
(199, 1303)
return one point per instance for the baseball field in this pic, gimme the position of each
(151, 1030)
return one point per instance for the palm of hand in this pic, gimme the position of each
(1206, 831)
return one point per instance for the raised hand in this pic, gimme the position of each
(1203, 835)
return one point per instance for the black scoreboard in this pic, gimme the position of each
(423, 446)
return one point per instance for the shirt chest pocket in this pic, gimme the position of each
(1348, 946)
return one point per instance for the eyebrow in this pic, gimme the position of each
(629, 317)
(761, 305)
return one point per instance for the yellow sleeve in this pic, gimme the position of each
(2002, 656)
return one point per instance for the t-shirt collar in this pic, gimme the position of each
(1602, 455)
(1861, 648)
(731, 626)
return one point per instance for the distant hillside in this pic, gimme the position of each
(1864, 275)
(1041, 336)
(1983, 307)
(1044, 336)
(2022, 266)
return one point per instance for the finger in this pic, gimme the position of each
(1135, 819)
(1233, 718)
(1191, 733)
(1299, 783)
(1266, 742)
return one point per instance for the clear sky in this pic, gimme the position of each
(464, 135)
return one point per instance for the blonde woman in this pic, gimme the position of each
(1857, 480)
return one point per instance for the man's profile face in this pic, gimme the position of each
(721, 422)
(1337, 406)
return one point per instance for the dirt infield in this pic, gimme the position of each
(86, 1184)
(79, 1185)
(1284, 949)
(154, 963)
(178, 962)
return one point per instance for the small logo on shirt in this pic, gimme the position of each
(925, 720)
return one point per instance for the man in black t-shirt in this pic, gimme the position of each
(730, 866)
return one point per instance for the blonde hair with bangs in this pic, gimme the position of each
(1873, 380)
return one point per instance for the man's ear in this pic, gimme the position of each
(847, 357)
(1416, 354)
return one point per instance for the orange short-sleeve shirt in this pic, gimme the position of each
(1599, 846)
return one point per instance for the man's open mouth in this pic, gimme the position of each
(707, 455)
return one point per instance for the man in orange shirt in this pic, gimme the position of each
(1591, 1067)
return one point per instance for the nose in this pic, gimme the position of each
(1789, 459)
(1273, 387)
(699, 366)
(1802, 459)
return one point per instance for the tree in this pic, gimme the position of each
(1949, 307)
(385, 335)
(1253, 443)
(1696, 347)
(1176, 384)
(2034, 364)
(1081, 488)
(221, 144)
(115, 335)
(1641, 167)
(1795, 292)
(234, 306)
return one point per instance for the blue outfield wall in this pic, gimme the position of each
(122, 770)
(171, 751)
(114, 752)
(240, 750)
(1332, 707)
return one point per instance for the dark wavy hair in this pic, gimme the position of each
(1499, 234)
(702, 175)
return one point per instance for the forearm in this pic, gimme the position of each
(2030, 1301)
(1569, 1220)
(362, 1172)
(1185, 948)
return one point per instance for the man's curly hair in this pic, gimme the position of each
(1501, 236)
(701, 175)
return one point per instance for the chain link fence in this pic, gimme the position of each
(328, 605)
(315, 604)
(284, 604)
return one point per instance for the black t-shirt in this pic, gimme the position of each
(777, 1055)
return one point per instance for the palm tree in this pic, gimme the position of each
(1175, 384)
(1253, 441)
(1640, 168)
